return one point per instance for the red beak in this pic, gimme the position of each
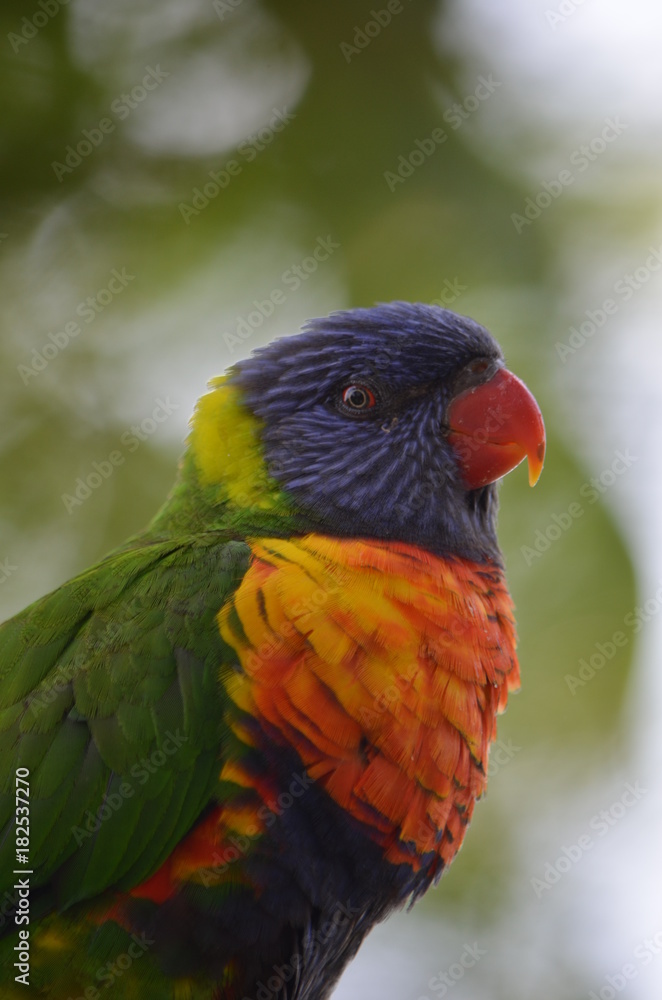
(493, 427)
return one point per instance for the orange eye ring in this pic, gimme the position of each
(358, 397)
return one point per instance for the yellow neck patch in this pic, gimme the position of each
(227, 449)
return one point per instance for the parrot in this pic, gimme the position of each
(260, 726)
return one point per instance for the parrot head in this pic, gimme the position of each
(392, 422)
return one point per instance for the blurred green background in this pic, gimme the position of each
(168, 169)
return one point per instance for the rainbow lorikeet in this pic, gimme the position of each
(261, 724)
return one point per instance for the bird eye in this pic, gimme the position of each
(478, 367)
(358, 397)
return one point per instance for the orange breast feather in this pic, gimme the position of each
(384, 667)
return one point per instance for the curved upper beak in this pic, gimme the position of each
(493, 427)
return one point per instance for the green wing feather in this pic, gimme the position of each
(110, 696)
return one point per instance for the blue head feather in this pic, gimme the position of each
(388, 472)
